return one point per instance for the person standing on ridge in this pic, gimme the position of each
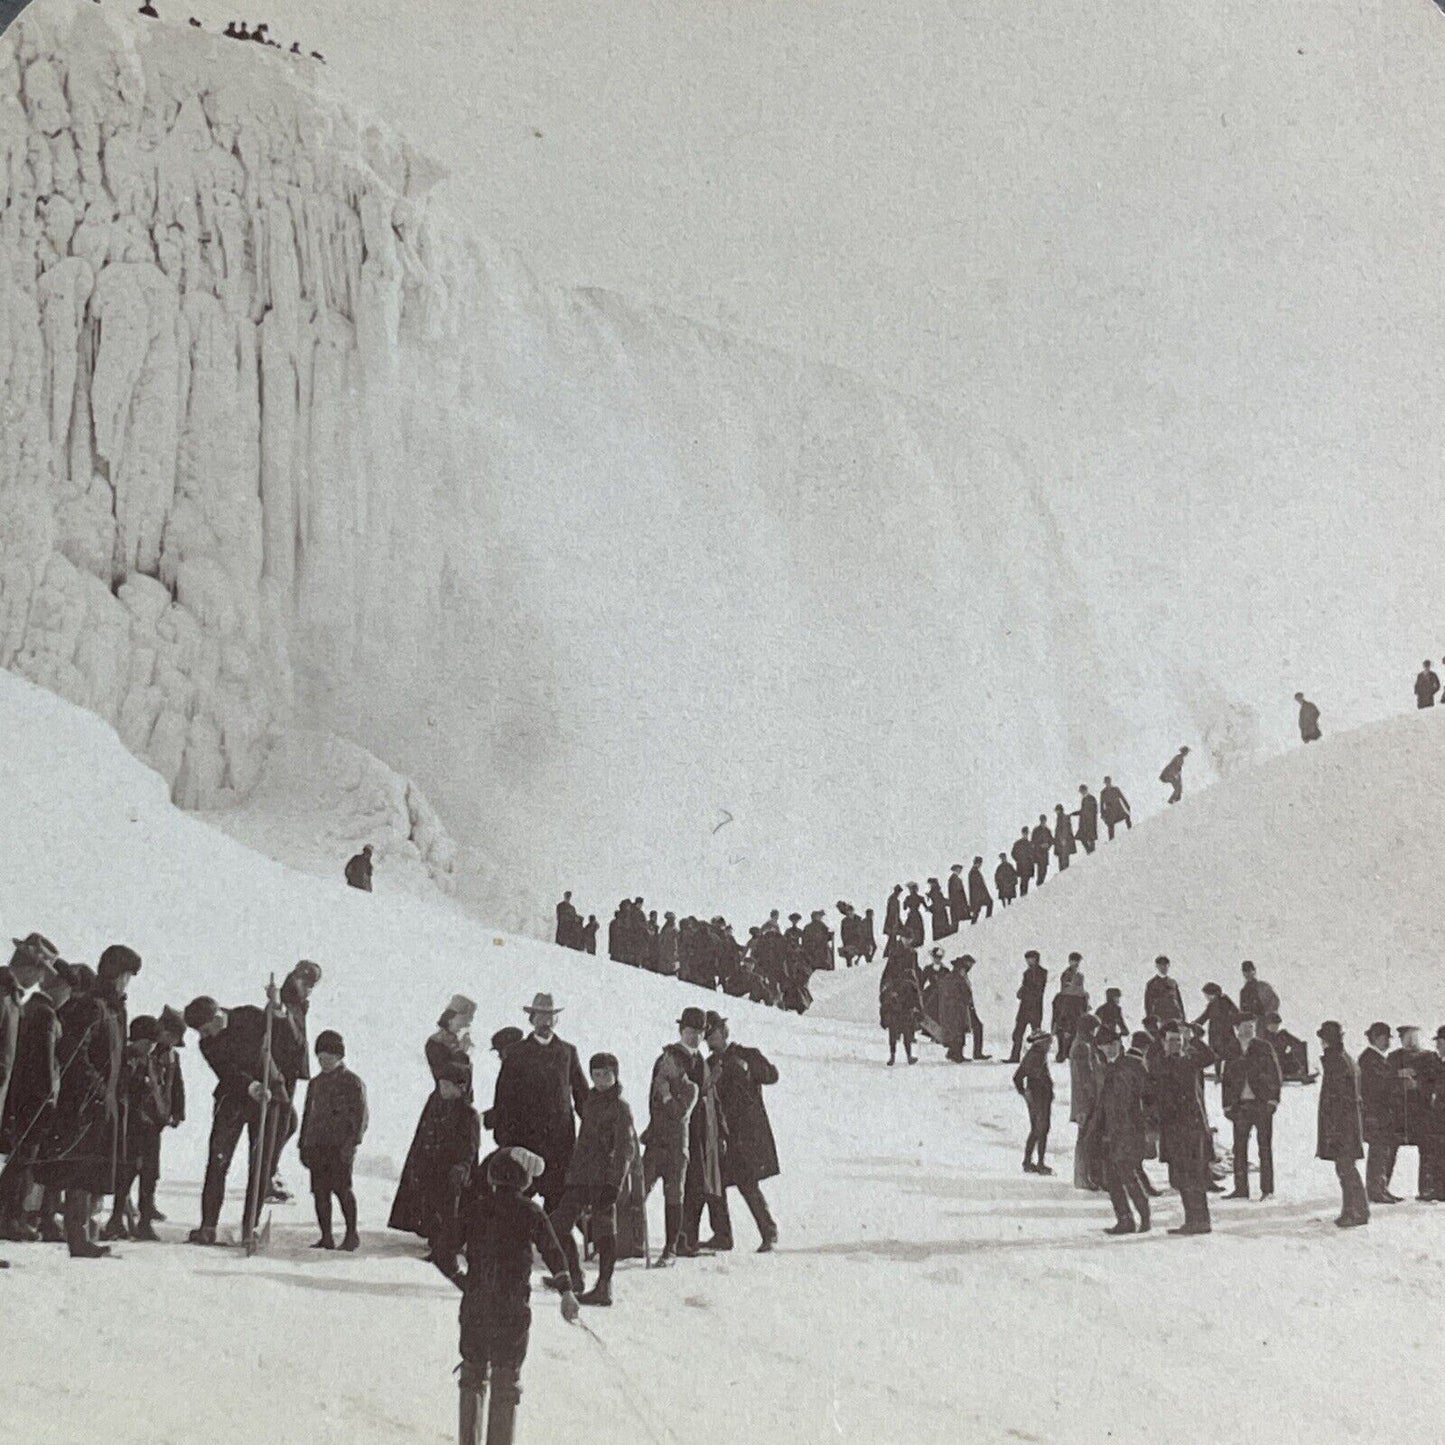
(1043, 845)
(1064, 847)
(817, 943)
(1088, 815)
(1030, 1015)
(980, 900)
(1006, 881)
(1114, 807)
(1427, 686)
(942, 923)
(1309, 719)
(913, 921)
(958, 904)
(1022, 853)
(569, 924)
(893, 914)
(870, 936)
(1173, 774)
(358, 870)
(1341, 1135)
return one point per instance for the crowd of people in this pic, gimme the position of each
(568, 1138)
(236, 30)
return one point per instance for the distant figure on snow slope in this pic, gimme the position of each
(358, 870)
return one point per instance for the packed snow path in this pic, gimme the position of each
(925, 1289)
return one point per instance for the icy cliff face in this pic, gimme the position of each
(637, 604)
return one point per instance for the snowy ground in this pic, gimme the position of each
(925, 1288)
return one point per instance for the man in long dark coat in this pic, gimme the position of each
(1184, 1142)
(1116, 1132)
(958, 904)
(540, 1092)
(1088, 815)
(1031, 1002)
(1380, 1112)
(893, 913)
(1414, 1071)
(569, 923)
(1022, 852)
(676, 1146)
(1341, 1134)
(1006, 880)
(980, 900)
(1114, 807)
(750, 1154)
(1042, 841)
(1427, 686)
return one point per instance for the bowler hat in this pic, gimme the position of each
(143, 1026)
(1331, 1032)
(713, 1021)
(692, 1018)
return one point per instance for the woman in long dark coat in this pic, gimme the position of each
(900, 998)
(448, 1137)
(79, 1154)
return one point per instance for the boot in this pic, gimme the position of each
(204, 1235)
(769, 1244)
(599, 1294)
(145, 1233)
(115, 1229)
(471, 1406)
(352, 1241)
(501, 1420)
(1122, 1227)
(77, 1226)
(672, 1228)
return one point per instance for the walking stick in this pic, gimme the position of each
(256, 1187)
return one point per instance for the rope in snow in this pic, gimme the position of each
(630, 1392)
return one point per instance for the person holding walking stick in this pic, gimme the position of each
(250, 1096)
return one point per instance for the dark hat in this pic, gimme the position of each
(79, 976)
(34, 948)
(1076, 958)
(713, 1021)
(1272, 1018)
(1331, 1032)
(795, 918)
(1163, 958)
(200, 1011)
(143, 1026)
(1108, 1036)
(1112, 993)
(1140, 1040)
(513, 1168)
(173, 1023)
(331, 1042)
(505, 1038)
(692, 1018)
(1378, 1028)
(1174, 1026)
(1246, 1019)
(1440, 1032)
(1032, 953)
(604, 1061)
(1211, 989)
(116, 960)
(308, 972)
(968, 960)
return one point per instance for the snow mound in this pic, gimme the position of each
(1321, 865)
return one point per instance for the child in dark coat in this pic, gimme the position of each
(502, 1228)
(144, 1112)
(331, 1131)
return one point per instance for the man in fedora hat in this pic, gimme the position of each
(540, 1092)
(678, 1079)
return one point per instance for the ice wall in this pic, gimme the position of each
(284, 444)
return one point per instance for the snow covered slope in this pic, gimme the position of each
(1322, 866)
(286, 440)
(919, 1294)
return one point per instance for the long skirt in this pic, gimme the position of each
(447, 1135)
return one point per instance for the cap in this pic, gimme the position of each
(200, 1011)
(514, 1168)
(331, 1042)
(116, 960)
(505, 1038)
(1140, 1040)
(1376, 1029)
(692, 1018)
(144, 1028)
(603, 1061)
